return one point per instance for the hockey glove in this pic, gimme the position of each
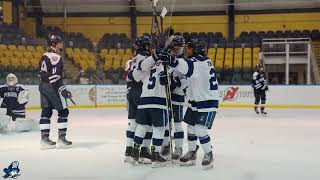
(175, 83)
(163, 78)
(164, 57)
(66, 94)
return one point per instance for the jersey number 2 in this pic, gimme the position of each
(152, 79)
(213, 80)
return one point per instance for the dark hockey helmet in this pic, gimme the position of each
(143, 43)
(177, 41)
(53, 40)
(198, 46)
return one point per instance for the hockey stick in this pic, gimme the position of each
(156, 44)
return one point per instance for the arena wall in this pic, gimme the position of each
(90, 96)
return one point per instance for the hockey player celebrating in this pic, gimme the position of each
(153, 109)
(260, 86)
(177, 85)
(203, 96)
(53, 94)
(134, 84)
(12, 111)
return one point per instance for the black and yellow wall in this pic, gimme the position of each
(94, 27)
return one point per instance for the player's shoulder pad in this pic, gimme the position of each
(3, 86)
(255, 75)
(53, 57)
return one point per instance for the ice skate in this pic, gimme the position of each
(263, 111)
(166, 152)
(177, 154)
(207, 161)
(256, 110)
(127, 155)
(47, 143)
(157, 160)
(63, 143)
(190, 158)
(135, 154)
(145, 156)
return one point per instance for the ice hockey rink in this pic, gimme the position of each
(281, 145)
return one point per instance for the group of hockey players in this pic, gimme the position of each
(159, 83)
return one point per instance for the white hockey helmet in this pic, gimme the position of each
(12, 79)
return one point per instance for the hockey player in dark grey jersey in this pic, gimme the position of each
(53, 94)
(260, 86)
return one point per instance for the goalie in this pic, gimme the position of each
(12, 110)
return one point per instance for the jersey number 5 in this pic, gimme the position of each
(152, 79)
(213, 80)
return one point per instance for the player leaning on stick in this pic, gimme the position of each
(53, 94)
(260, 86)
(142, 46)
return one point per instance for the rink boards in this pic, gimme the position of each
(90, 96)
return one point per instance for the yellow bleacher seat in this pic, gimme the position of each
(18, 54)
(128, 51)
(112, 52)
(8, 53)
(238, 51)
(84, 50)
(117, 62)
(120, 52)
(256, 50)
(3, 47)
(30, 48)
(27, 54)
(237, 60)
(92, 56)
(228, 61)
(12, 47)
(211, 51)
(21, 48)
(103, 52)
(76, 50)
(40, 48)
(219, 58)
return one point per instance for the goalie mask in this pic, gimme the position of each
(12, 80)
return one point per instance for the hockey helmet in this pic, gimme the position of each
(143, 43)
(11, 79)
(198, 46)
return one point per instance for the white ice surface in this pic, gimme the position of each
(282, 145)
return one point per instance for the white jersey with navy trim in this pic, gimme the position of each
(137, 74)
(202, 90)
(10, 96)
(153, 93)
(178, 94)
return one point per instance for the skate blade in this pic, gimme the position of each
(127, 159)
(144, 161)
(207, 167)
(134, 163)
(190, 163)
(64, 146)
(47, 147)
(158, 164)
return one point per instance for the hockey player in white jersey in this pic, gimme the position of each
(177, 85)
(202, 93)
(153, 109)
(12, 111)
(134, 83)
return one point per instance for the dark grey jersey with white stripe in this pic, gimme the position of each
(50, 74)
(51, 69)
(259, 80)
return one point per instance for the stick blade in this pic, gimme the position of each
(164, 12)
(155, 2)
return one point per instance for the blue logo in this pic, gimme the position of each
(12, 171)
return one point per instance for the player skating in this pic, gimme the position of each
(53, 94)
(260, 86)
